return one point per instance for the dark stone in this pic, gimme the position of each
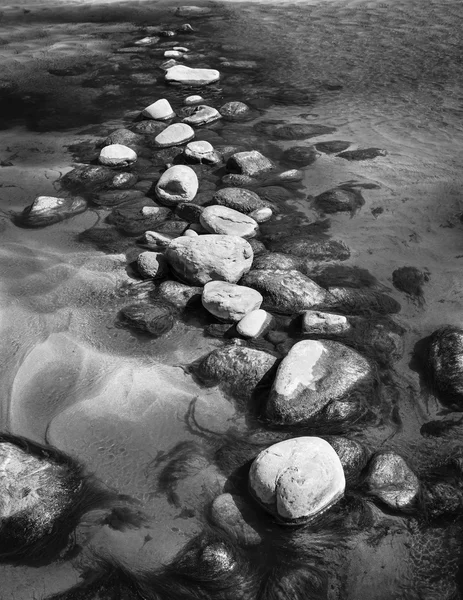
(444, 360)
(126, 138)
(275, 260)
(357, 301)
(301, 156)
(150, 127)
(116, 197)
(410, 280)
(340, 275)
(352, 454)
(316, 251)
(242, 200)
(188, 211)
(339, 200)
(292, 131)
(86, 177)
(365, 154)
(257, 247)
(332, 147)
(136, 217)
(154, 318)
(37, 215)
(274, 194)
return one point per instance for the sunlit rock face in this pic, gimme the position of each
(297, 479)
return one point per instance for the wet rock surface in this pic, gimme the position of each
(226, 221)
(230, 302)
(392, 481)
(47, 210)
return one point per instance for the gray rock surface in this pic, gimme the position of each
(226, 221)
(228, 301)
(177, 184)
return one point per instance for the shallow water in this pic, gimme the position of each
(386, 75)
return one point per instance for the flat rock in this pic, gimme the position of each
(192, 11)
(313, 374)
(332, 147)
(315, 322)
(87, 177)
(181, 74)
(149, 127)
(152, 265)
(315, 251)
(123, 181)
(210, 258)
(234, 110)
(117, 155)
(226, 221)
(178, 294)
(339, 200)
(240, 199)
(173, 54)
(174, 135)
(161, 110)
(201, 115)
(230, 302)
(300, 155)
(297, 479)
(203, 152)
(116, 197)
(177, 184)
(194, 99)
(292, 131)
(286, 291)
(134, 218)
(47, 210)
(147, 41)
(391, 480)
(255, 324)
(276, 261)
(251, 163)
(364, 154)
(124, 137)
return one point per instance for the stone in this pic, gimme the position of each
(136, 217)
(251, 163)
(287, 292)
(292, 131)
(177, 184)
(181, 74)
(361, 301)
(240, 199)
(167, 33)
(210, 258)
(189, 212)
(180, 49)
(257, 246)
(192, 11)
(313, 374)
(168, 64)
(352, 454)
(228, 301)
(277, 261)
(201, 115)
(410, 280)
(185, 28)
(124, 137)
(226, 221)
(147, 41)
(190, 233)
(237, 518)
(315, 251)
(173, 54)
(332, 146)
(391, 480)
(203, 152)
(322, 323)
(47, 210)
(443, 363)
(149, 127)
(87, 177)
(239, 180)
(261, 215)
(174, 135)
(195, 99)
(152, 265)
(234, 110)
(236, 369)
(117, 155)
(153, 318)
(116, 197)
(178, 294)
(297, 480)
(302, 156)
(124, 181)
(364, 154)
(255, 324)
(292, 175)
(339, 200)
(154, 239)
(161, 110)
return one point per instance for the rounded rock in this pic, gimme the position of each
(117, 155)
(261, 215)
(47, 210)
(191, 100)
(173, 54)
(177, 184)
(201, 115)
(391, 480)
(226, 221)
(152, 265)
(230, 302)
(255, 324)
(155, 318)
(181, 74)
(174, 135)
(240, 199)
(251, 163)
(178, 294)
(234, 110)
(202, 151)
(161, 110)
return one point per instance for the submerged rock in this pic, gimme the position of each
(234, 110)
(352, 454)
(313, 374)
(117, 155)
(276, 260)
(228, 301)
(292, 131)
(177, 184)
(316, 251)
(47, 210)
(189, 212)
(361, 301)
(136, 217)
(332, 146)
(251, 163)
(237, 518)
(391, 480)
(191, 100)
(124, 137)
(178, 294)
(87, 176)
(150, 127)
(364, 154)
(322, 323)
(297, 479)
(410, 280)
(285, 291)
(339, 200)
(240, 199)
(116, 197)
(123, 181)
(238, 370)
(302, 156)
(444, 362)
(261, 215)
(210, 258)
(226, 221)
(154, 318)
(181, 74)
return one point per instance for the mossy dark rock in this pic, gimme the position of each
(363, 154)
(352, 454)
(240, 199)
(189, 212)
(332, 147)
(361, 301)
(274, 194)
(317, 251)
(410, 280)
(444, 362)
(339, 200)
(136, 217)
(87, 177)
(123, 181)
(292, 131)
(154, 318)
(341, 275)
(126, 138)
(116, 197)
(302, 156)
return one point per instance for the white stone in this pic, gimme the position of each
(177, 184)
(190, 233)
(251, 163)
(297, 479)
(322, 323)
(174, 135)
(154, 239)
(147, 41)
(202, 151)
(195, 99)
(226, 221)
(161, 110)
(190, 76)
(173, 54)
(117, 155)
(255, 324)
(202, 114)
(180, 49)
(261, 215)
(228, 301)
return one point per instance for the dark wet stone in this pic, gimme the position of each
(352, 454)
(339, 200)
(292, 131)
(239, 180)
(179, 294)
(275, 260)
(237, 369)
(341, 275)
(301, 156)
(358, 301)
(138, 216)
(189, 212)
(150, 127)
(226, 150)
(410, 280)
(154, 318)
(126, 138)
(172, 227)
(123, 181)
(116, 197)
(106, 239)
(391, 480)
(87, 177)
(332, 147)
(273, 194)
(365, 154)
(444, 362)
(167, 33)
(47, 210)
(242, 200)
(257, 247)
(185, 28)
(79, 69)
(317, 251)
(152, 265)
(237, 518)
(166, 156)
(234, 111)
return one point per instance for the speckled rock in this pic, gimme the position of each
(234, 110)
(297, 479)
(203, 152)
(174, 135)
(391, 480)
(201, 115)
(261, 215)
(292, 131)
(189, 212)
(285, 291)
(240, 199)
(230, 302)
(210, 258)
(322, 323)
(161, 110)
(152, 265)
(251, 163)
(177, 184)
(117, 155)
(178, 294)
(226, 221)
(275, 261)
(46, 210)
(87, 177)
(124, 137)
(339, 200)
(155, 318)
(255, 324)
(181, 74)
(444, 363)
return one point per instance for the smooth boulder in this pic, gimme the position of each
(297, 480)
(181, 74)
(228, 301)
(313, 374)
(210, 258)
(255, 324)
(251, 163)
(201, 115)
(391, 480)
(117, 155)
(161, 110)
(177, 184)
(174, 135)
(226, 221)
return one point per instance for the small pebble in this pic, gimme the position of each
(193, 100)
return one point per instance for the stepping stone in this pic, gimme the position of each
(226, 221)
(201, 115)
(161, 110)
(251, 163)
(202, 152)
(188, 76)
(117, 155)
(174, 135)
(177, 184)
(173, 54)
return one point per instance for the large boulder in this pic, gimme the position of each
(240, 199)
(197, 260)
(444, 363)
(117, 155)
(392, 481)
(251, 163)
(177, 184)
(226, 221)
(237, 369)
(180, 74)
(228, 301)
(313, 374)
(286, 291)
(46, 210)
(297, 479)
